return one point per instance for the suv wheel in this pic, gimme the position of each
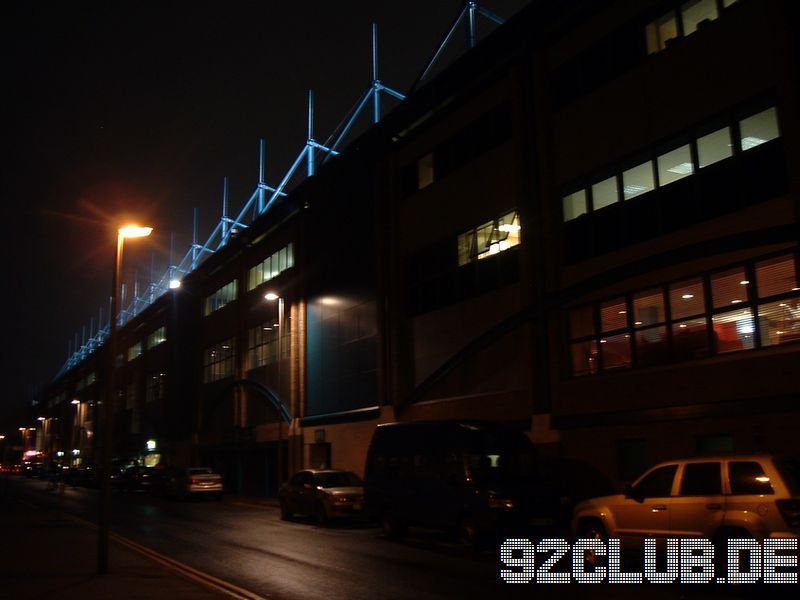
(720, 542)
(592, 529)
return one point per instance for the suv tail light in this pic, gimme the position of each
(790, 509)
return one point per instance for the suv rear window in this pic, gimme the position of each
(748, 478)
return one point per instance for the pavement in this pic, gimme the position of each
(47, 554)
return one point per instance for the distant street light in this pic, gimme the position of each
(106, 420)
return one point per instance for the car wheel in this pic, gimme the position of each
(592, 529)
(393, 528)
(286, 514)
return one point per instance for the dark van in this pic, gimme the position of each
(478, 479)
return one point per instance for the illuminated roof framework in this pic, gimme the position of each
(264, 196)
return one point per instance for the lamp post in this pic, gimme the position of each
(272, 297)
(106, 420)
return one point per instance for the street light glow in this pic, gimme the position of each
(134, 231)
(271, 296)
(174, 284)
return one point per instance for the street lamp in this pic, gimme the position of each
(272, 297)
(104, 506)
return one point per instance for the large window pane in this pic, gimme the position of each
(697, 11)
(734, 330)
(613, 315)
(675, 165)
(779, 322)
(759, 128)
(729, 288)
(660, 31)
(604, 193)
(690, 339)
(574, 205)
(648, 308)
(776, 276)
(584, 358)
(638, 180)
(686, 298)
(714, 147)
(651, 346)
(616, 351)
(581, 322)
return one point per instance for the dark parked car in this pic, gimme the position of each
(478, 479)
(324, 494)
(134, 479)
(193, 481)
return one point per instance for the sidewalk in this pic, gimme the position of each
(47, 556)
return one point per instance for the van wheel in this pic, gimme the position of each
(592, 529)
(393, 528)
(286, 514)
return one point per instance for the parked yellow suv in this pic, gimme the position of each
(713, 497)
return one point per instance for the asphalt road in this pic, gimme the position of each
(249, 546)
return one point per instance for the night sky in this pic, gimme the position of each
(141, 109)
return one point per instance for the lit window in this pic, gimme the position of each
(159, 336)
(660, 31)
(776, 276)
(489, 238)
(686, 299)
(759, 128)
(729, 288)
(779, 322)
(262, 345)
(271, 267)
(648, 308)
(222, 297)
(675, 165)
(734, 330)
(638, 180)
(574, 205)
(696, 12)
(714, 147)
(605, 193)
(613, 315)
(219, 361)
(135, 351)
(584, 358)
(616, 351)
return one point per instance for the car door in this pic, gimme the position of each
(644, 512)
(698, 508)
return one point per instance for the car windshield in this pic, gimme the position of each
(495, 457)
(790, 469)
(337, 479)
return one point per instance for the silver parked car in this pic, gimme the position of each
(193, 481)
